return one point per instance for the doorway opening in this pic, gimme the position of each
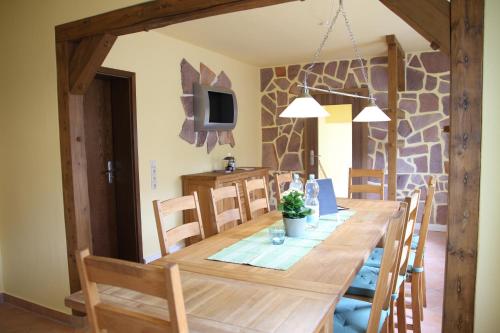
(112, 165)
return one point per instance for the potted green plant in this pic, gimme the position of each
(294, 213)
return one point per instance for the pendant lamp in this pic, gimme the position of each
(304, 106)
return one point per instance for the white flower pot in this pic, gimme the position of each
(295, 227)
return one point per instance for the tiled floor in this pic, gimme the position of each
(16, 320)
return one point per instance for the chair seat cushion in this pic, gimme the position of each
(352, 315)
(365, 283)
(414, 241)
(375, 257)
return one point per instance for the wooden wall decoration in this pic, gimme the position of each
(189, 76)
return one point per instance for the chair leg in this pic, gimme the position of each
(390, 320)
(415, 302)
(424, 288)
(400, 303)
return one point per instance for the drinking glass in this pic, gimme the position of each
(277, 234)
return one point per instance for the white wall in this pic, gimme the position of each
(487, 317)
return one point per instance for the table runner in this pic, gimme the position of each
(257, 250)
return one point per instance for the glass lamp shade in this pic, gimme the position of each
(371, 113)
(304, 106)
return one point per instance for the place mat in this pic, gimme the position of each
(257, 250)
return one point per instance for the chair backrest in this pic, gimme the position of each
(409, 227)
(366, 188)
(163, 282)
(424, 226)
(388, 269)
(232, 215)
(169, 237)
(281, 179)
(254, 206)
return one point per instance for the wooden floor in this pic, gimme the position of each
(16, 320)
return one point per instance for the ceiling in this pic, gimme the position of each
(291, 32)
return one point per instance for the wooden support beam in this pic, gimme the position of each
(396, 82)
(73, 164)
(87, 59)
(467, 22)
(430, 18)
(153, 15)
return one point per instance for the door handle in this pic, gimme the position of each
(110, 172)
(311, 157)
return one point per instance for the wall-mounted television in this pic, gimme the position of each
(215, 108)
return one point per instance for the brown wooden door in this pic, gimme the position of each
(112, 166)
(359, 131)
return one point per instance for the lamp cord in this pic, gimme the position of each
(333, 20)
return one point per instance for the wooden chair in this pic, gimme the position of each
(233, 215)
(169, 237)
(366, 188)
(253, 207)
(363, 284)
(163, 282)
(416, 272)
(372, 317)
(281, 179)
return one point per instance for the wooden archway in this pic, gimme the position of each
(455, 27)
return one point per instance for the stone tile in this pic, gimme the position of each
(332, 83)
(282, 83)
(266, 118)
(435, 62)
(282, 98)
(223, 81)
(269, 134)
(189, 76)
(187, 105)
(187, 132)
(271, 87)
(444, 87)
(211, 141)
(441, 198)
(299, 126)
(381, 100)
(380, 125)
(224, 137)
(408, 105)
(268, 104)
(360, 75)
(404, 128)
(431, 134)
(355, 63)
(422, 121)
(342, 70)
(378, 61)
(414, 150)
(415, 62)
(293, 71)
(378, 134)
(428, 102)
(282, 121)
(414, 79)
(294, 89)
(430, 82)
(445, 101)
(317, 68)
(378, 77)
(201, 137)
(266, 75)
(269, 156)
(281, 144)
(409, 95)
(272, 95)
(415, 138)
(401, 180)
(350, 82)
(421, 164)
(207, 76)
(291, 162)
(445, 77)
(436, 159)
(330, 68)
(280, 71)
(379, 161)
(442, 214)
(288, 129)
(294, 143)
(371, 146)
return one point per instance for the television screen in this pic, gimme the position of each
(221, 107)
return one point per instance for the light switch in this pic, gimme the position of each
(154, 175)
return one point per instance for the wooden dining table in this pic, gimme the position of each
(227, 297)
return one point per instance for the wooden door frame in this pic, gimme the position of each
(130, 77)
(82, 46)
(311, 130)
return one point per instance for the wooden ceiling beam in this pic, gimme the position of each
(153, 15)
(430, 18)
(86, 60)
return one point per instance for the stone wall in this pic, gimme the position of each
(423, 113)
